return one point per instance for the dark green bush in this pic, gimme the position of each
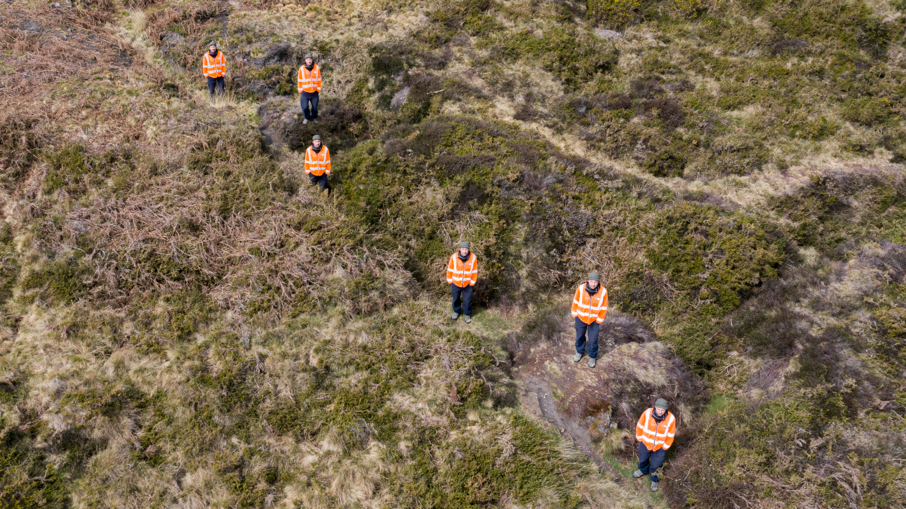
(612, 13)
(720, 257)
(665, 163)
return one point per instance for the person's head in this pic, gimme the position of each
(593, 280)
(660, 407)
(316, 141)
(464, 248)
(212, 47)
(309, 60)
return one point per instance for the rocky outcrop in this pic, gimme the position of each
(633, 370)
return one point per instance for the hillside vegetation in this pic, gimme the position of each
(186, 323)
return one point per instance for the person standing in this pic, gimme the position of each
(317, 164)
(462, 273)
(309, 88)
(654, 431)
(214, 67)
(589, 308)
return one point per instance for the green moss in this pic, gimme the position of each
(110, 401)
(612, 13)
(63, 281)
(667, 162)
(694, 339)
(566, 51)
(867, 110)
(718, 257)
(9, 273)
(890, 346)
(476, 473)
(188, 312)
(27, 477)
(70, 168)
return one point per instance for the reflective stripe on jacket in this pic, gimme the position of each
(462, 274)
(309, 81)
(213, 67)
(589, 308)
(655, 436)
(317, 163)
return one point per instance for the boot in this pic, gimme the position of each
(305, 121)
(591, 363)
(653, 485)
(638, 473)
(455, 316)
(468, 319)
(577, 357)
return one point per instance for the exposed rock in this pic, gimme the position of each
(282, 124)
(632, 371)
(276, 114)
(280, 53)
(608, 34)
(399, 98)
(170, 42)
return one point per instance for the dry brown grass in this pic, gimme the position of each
(41, 51)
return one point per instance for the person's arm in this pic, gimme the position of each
(318, 83)
(307, 163)
(327, 164)
(474, 275)
(299, 84)
(640, 429)
(575, 308)
(450, 268)
(222, 64)
(603, 312)
(671, 431)
(204, 65)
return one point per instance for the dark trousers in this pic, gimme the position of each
(462, 299)
(593, 329)
(215, 83)
(309, 97)
(321, 181)
(650, 462)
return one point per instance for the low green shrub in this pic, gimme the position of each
(867, 110)
(27, 477)
(72, 169)
(63, 281)
(612, 13)
(719, 257)
(571, 54)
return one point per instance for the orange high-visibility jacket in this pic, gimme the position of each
(213, 67)
(462, 274)
(655, 436)
(317, 163)
(309, 81)
(590, 308)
